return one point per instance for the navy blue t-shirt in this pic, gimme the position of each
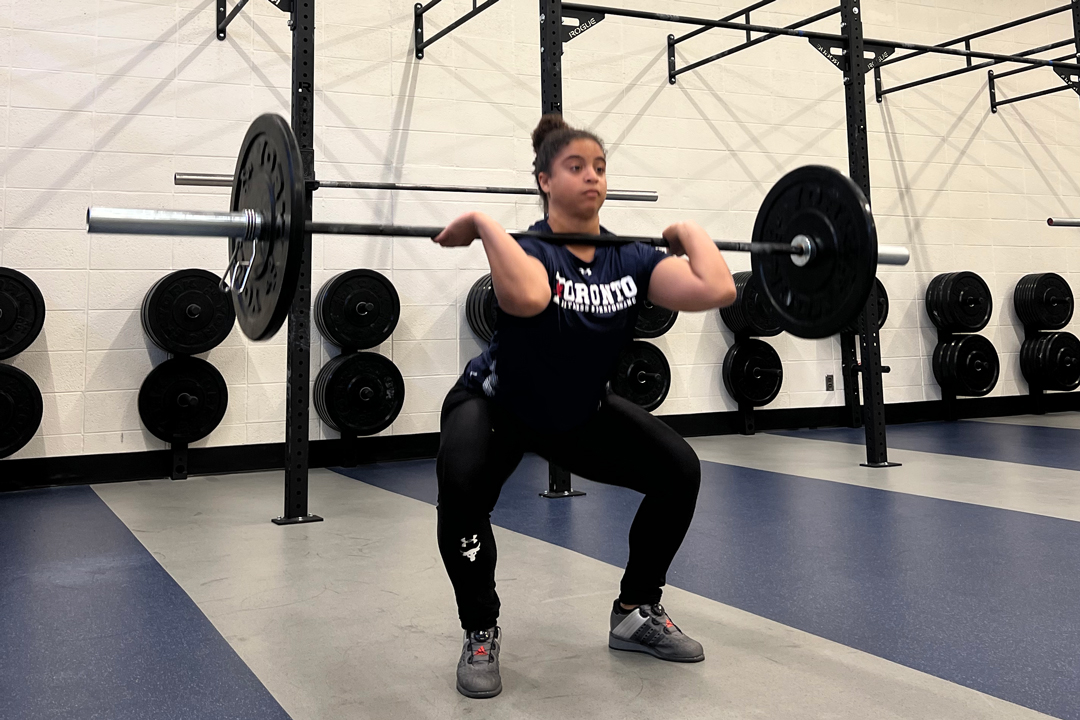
(552, 369)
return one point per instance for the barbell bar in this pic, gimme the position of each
(1063, 222)
(813, 249)
(248, 225)
(216, 180)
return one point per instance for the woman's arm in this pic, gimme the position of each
(520, 280)
(701, 282)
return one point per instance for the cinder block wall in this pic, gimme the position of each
(103, 101)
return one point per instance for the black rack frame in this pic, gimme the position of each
(419, 10)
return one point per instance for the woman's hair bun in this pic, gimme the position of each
(548, 124)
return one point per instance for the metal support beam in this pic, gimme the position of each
(223, 20)
(551, 49)
(298, 379)
(995, 104)
(745, 12)
(418, 24)
(855, 67)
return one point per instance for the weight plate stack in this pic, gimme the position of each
(186, 312)
(22, 312)
(753, 373)
(959, 302)
(357, 310)
(1051, 361)
(1043, 301)
(642, 375)
(359, 393)
(481, 308)
(966, 365)
(20, 409)
(751, 313)
(183, 399)
(882, 308)
(653, 320)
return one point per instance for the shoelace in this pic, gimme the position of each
(488, 645)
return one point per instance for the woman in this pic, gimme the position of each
(565, 312)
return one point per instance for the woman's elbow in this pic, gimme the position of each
(725, 294)
(525, 304)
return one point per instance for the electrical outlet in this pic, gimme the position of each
(829, 384)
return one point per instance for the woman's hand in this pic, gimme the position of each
(460, 232)
(673, 235)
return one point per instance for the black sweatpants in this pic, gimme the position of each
(482, 444)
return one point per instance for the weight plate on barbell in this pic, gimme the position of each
(826, 294)
(183, 399)
(653, 320)
(20, 409)
(753, 373)
(642, 375)
(186, 313)
(1043, 301)
(751, 313)
(358, 309)
(359, 393)
(269, 178)
(22, 312)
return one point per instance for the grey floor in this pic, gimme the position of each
(354, 617)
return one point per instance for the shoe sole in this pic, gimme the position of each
(479, 695)
(619, 644)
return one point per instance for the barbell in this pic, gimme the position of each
(814, 246)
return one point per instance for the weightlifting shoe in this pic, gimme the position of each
(478, 669)
(648, 629)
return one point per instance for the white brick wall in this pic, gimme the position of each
(100, 103)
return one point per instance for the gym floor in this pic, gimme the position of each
(945, 588)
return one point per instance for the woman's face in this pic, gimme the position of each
(577, 184)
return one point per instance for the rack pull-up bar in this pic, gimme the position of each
(1022, 57)
(813, 35)
(998, 76)
(751, 43)
(745, 12)
(983, 33)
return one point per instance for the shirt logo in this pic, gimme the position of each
(599, 299)
(585, 271)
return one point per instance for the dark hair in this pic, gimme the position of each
(551, 135)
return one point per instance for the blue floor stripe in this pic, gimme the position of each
(93, 626)
(1024, 444)
(983, 597)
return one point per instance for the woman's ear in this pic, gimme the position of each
(545, 182)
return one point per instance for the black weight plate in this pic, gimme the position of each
(481, 308)
(183, 400)
(20, 409)
(753, 373)
(1060, 362)
(358, 309)
(269, 178)
(822, 297)
(359, 393)
(186, 313)
(974, 364)
(940, 351)
(642, 375)
(969, 302)
(22, 312)
(936, 301)
(882, 307)
(751, 313)
(1028, 367)
(653, 320)
(1043, 301)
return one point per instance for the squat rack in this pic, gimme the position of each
(872, 54)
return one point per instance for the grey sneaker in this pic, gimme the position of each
(648, 629)
(478, 669)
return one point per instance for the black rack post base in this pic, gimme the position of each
(559, 484)
(878, 466)
(179, 461)
(296, 520)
